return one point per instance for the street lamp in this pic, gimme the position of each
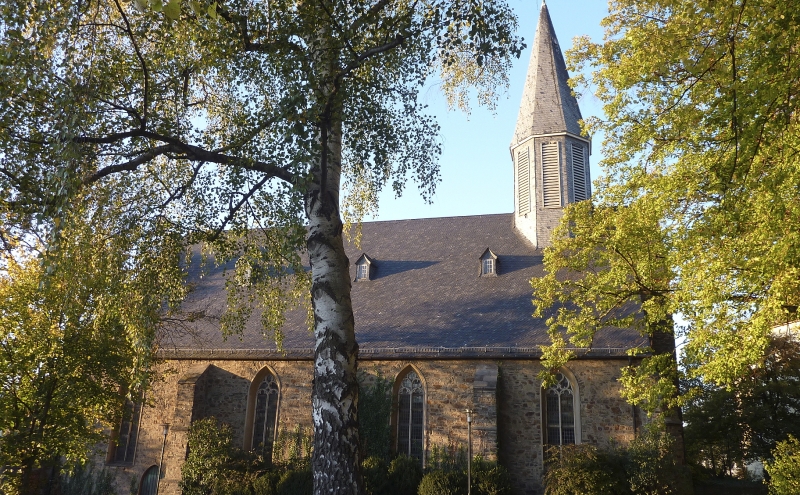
(164, 431)
(469, 450)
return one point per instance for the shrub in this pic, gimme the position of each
(580, 469)
(215, 467)
(490, 478)
(376, 476)
(84, 480)
(443, 483)
(374, 409)
(447, 458)
(267, 484)
(210, 451)
(652, 468)
(296, 482)
(648, 466)
(405, 473)
(784, 470)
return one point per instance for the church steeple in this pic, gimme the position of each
(551, 166)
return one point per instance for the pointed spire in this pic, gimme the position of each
(547, 105)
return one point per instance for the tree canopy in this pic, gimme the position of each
(726, 428)
(77, 330)
(697, 214)
(236, 124)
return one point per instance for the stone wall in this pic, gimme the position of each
(604, 418)
(505, 396)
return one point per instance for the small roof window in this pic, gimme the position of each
(364, 268)
(488, 264)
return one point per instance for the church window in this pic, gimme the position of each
(149, 483)
(551, 175)
(559, 409)
(265, 416)
(410, 416)
(123, 441)
(580, 184)
(524, 180)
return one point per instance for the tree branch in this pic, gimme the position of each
(234, 209)
(146, 94)
(192, 153)
(368, 15)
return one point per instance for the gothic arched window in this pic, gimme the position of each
(410, 416)
(560, 412)
(265, 416)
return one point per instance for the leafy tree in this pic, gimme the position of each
(727, 427)
(785, 469)
(75, 325)
(242, 120)
(697, 213)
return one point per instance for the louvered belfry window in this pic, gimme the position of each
(524, 180)
(580, 183)
(560, 412)
(266, 415)
(551, 175)
(410, 426)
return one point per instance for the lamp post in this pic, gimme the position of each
(164, 431)
(469, 451)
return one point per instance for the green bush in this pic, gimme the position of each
(647, 467)
(296, 482)
(84, 480)
(267, 484)
(652, 468)
(374, 409)
(581, 469)
(443, 483)
(210, 451)
(376, 476)
(784, 470)
(490, 478)
(215, 467)
(405, 473)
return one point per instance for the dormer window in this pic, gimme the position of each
(488, 267)
(364, 268)
(488, 264)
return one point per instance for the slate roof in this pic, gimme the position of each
(426, 299)
(547, 106)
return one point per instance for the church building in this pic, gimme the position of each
(442, 310)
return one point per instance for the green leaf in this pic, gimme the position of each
(173, 9)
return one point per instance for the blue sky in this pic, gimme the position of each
(476, 167)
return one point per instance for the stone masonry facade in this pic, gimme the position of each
(505, 395)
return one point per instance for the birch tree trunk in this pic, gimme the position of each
(336, 458)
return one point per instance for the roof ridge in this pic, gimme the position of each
(373, 222)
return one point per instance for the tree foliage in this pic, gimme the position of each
(725, 428)
(697, 213)
(236, 124)
(784, 470)
(77, 326)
